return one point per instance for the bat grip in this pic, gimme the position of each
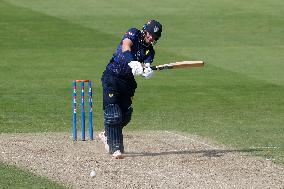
(153, 67)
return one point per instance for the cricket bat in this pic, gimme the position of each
(183, 64)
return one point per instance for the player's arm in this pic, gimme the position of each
(126, 45)
(126, 51)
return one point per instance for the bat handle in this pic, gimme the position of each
(161, 67)
(153, 67)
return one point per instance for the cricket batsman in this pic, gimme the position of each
(132, 58)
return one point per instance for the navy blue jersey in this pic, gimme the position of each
(140, 52)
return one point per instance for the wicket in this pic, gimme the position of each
(82, 82)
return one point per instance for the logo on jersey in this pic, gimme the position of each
(110, 95)
(147, 52)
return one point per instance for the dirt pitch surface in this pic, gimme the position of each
(152, 160)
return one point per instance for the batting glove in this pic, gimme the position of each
(136, 67)
(148, 72)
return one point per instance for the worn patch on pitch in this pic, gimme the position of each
(152, 160)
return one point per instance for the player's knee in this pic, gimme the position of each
(112, 115)
(127, 116)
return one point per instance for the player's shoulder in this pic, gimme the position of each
(132, 32)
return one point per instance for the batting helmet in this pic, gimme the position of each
(154, 28)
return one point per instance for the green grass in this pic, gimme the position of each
(13, 177)
(236, 99)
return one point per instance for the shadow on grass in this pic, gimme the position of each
(206, 153)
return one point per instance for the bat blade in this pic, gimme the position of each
(183, 64)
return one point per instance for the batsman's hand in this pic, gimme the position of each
(136, 67)
(147, 72)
